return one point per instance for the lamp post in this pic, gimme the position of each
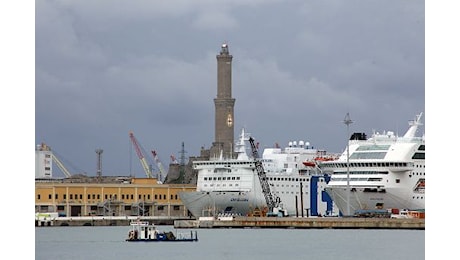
(348, 122)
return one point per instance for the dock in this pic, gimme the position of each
(104, 220)
(304, 223)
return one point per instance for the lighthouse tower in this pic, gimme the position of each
(224, 104)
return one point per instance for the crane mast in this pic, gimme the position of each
(160, 166)
(271, 199)
(141, 156)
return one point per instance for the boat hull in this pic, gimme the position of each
(364, 200)
(156, 240)
(202, 203)
(315, 200)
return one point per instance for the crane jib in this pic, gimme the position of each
(271, 199)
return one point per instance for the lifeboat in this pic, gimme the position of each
(309, 163)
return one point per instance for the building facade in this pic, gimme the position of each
(122, 196)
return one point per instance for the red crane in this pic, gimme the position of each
(140, 154)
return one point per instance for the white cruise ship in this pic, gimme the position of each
(383, 172)
(232, 186)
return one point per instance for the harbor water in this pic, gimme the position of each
(108, 243)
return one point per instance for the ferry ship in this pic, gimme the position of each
(384, 171)
(228, 187)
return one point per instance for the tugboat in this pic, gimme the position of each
(143, 231)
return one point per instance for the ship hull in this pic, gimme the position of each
(315, 200)
(360, 199)
(204, 203)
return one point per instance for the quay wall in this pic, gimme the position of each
(104, 220)
(305, 223)
(243, 222)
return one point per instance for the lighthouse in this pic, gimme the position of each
(224, 106)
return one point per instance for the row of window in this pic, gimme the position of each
(270, 179)
(367, 164)
(110, 196)
(227, 164)
(126, 207)
(357, 179)
(362, 172)
(221, 178)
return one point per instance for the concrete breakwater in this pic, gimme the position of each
(305, 223)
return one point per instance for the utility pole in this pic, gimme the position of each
(182, 164)
(99, 163)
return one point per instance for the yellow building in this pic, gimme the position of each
(110, 196)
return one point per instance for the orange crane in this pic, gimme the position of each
(140, 154)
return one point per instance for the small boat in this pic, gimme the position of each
(143, 231)
(309, 163)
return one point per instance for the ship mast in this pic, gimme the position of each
(348, 122)
(413, 126)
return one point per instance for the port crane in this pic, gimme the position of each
(140, 154)
(272, 200)
(162, 174)
(55, 159)
(61, 166)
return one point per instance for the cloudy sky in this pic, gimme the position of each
(105, 68)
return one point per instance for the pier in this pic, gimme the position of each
(104, 220)
(243, 222)
(304, 223)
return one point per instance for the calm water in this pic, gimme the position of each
(104, 243)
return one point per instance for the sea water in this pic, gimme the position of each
(108, 243)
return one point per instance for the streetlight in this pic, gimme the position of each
(348, 122)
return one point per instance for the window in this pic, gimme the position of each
(156, 196)
(89, 196)
(65, 196)
(56, 196)
(71, 196)
(161, 208)
(38, 196)
(398, 180)
(176, 207)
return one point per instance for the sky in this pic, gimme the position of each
(105, 68)
(80, 75)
